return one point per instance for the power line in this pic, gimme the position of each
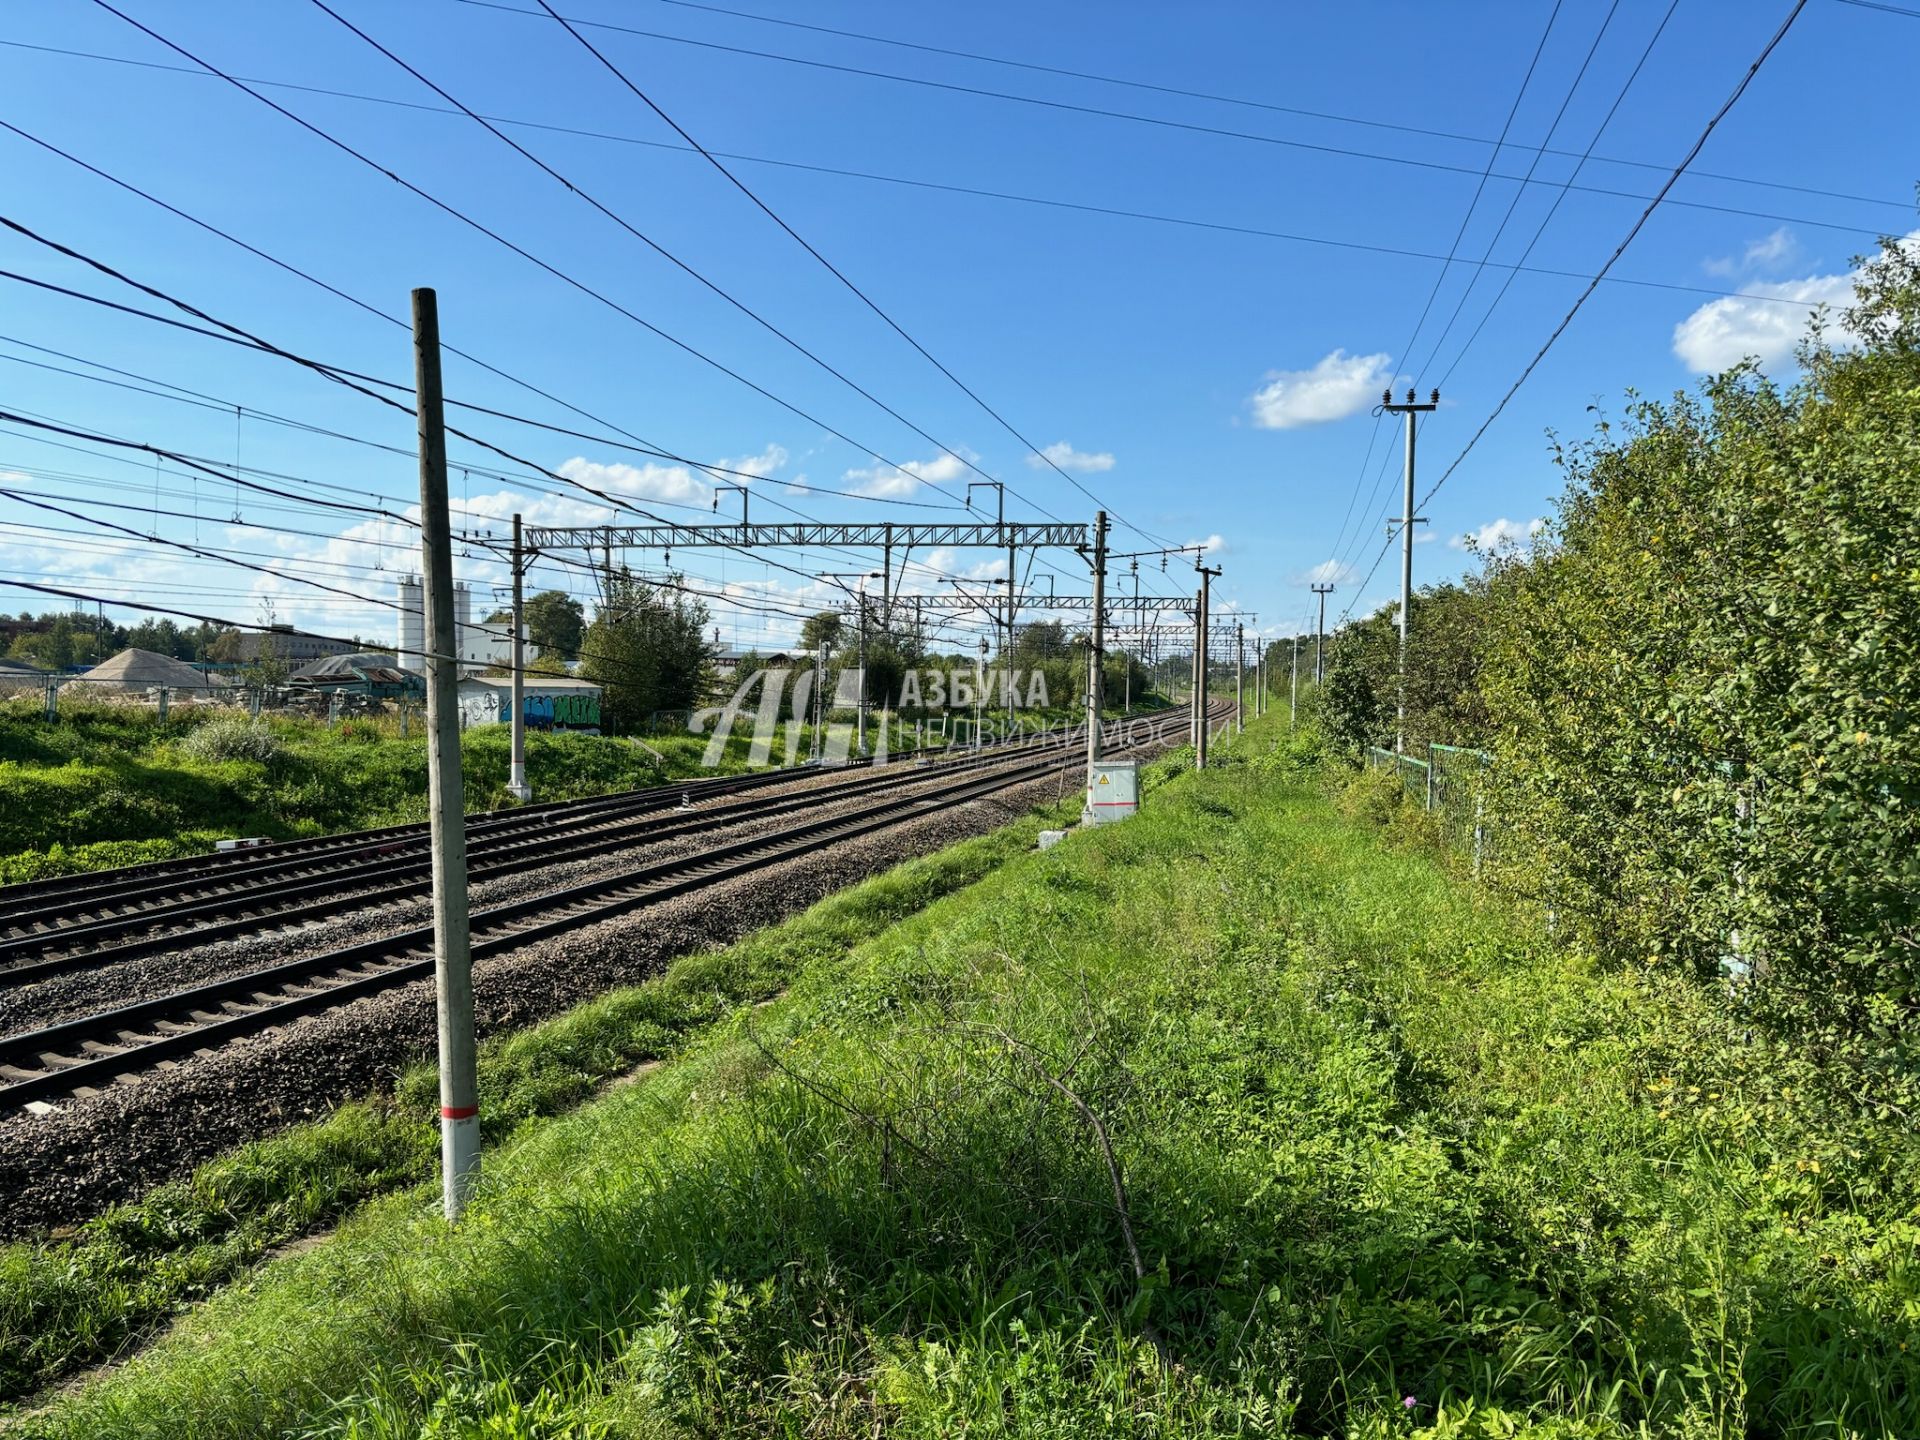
(211, 402)
(1513, 201)
(835, 271)
(1554, 208)
(338, 376)
(335, 372)
(1061, 105)
(1620, 249)
(1446, 265)
(339, 94)
(498, 238)
(1252, 104)
(1007, 196)
(1881, 5)
(650, 242)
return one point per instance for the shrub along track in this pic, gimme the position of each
(106, 1146)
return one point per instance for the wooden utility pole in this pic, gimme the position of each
(517, 771)
(452, 954)
(1407, 521)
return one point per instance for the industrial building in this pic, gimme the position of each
(549, 702)
(478, 645)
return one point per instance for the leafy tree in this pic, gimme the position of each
(822, 628)
(163, 637)
(555, 623)
(1701, 693)
(649, 651)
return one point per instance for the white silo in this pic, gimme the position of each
(412, 625)
(463, 636)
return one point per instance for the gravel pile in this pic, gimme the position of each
(63, 1166)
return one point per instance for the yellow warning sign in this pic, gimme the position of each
(1101, 781)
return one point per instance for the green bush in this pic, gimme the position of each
(232, 738)
(1703, 693)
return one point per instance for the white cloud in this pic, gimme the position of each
(889, 482)
(1769, 320)
(1067, 458)
(1215, 544)
(758, 466)
(1499, 535)
(1338, 386)
(1726, 331)
(1766, 253)
(650, 481)
(1328, 572)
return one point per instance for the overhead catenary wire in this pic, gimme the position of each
(1639, 224)
(838, 274)
(335, 92)
(241, 335)
(555, 271)
(336, 373)
(654, 245)
(1348, 152)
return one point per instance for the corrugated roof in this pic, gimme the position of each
(343, 667)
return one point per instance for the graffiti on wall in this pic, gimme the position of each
(570, 712)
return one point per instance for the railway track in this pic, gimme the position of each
(98, 1050)
(89, 931)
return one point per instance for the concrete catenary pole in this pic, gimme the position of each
(1320, 633)
(1407, 521)
(517, 769)
(820, 692)
(1293, 702)
(1193, 674)
(979, 691)
(452, 954)
(1206, 641)
(1096, 658)
(860, 706)
(1239, 678)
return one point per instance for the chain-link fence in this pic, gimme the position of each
(1446, 783)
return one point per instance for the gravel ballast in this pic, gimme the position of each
(62, 1166)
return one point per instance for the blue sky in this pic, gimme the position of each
(1206, 384)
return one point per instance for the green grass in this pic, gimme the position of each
(111, 785)
(1381, 1143)
(82, 1296)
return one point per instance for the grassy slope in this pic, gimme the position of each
(1381, 1144)
(110, 785)
(79, 1297)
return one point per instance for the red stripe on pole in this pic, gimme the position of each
(458, 1112)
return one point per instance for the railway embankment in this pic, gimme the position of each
(1244, 1116)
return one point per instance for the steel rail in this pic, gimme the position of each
(136, 1037)
(102, 885)
(314, 894)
